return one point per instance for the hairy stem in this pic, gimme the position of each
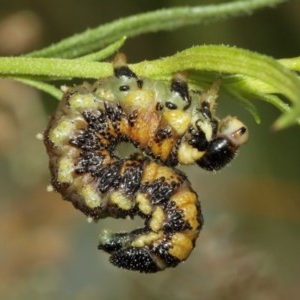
(163, 19)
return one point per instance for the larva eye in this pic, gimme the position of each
(124, 88)
(171, 105)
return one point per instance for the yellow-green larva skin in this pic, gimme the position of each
(169, 123)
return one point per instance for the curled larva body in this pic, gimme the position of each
(80, 140)
(170, 123)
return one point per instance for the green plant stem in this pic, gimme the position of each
(259, 74)
(229, 60)
(164, 19)
(54, 67)
(106, 52)
(233, 61)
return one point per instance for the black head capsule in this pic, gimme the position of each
(222, 149)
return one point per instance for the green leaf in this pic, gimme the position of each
(106, 52)
(291, 63)
(159, 20)
(260, 69)
(250, 74)
(244, 100)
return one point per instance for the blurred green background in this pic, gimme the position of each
(249, 247)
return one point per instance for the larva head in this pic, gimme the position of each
(234, 130)
(231, 134)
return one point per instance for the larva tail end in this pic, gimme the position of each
(135, 259)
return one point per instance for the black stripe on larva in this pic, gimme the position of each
(132, 118)
(147, 260)
(108, 176)
(86, 140)
(175, 219)
(89, 162)
(159, 191)
(198, 140)
(114, 112)
(135, 259)
(162, 134)
(162, 251)
(131, 179)
(132, 258)
(96, 120)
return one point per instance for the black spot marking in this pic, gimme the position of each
(175, 219)
(136, 259)
(162, 134)
(124, 88)
(86, 140)
(159, 106)
(159, 191)
(181, 88)
(171, 105)
(132, 118)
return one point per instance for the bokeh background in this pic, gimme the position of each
(249, 247)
